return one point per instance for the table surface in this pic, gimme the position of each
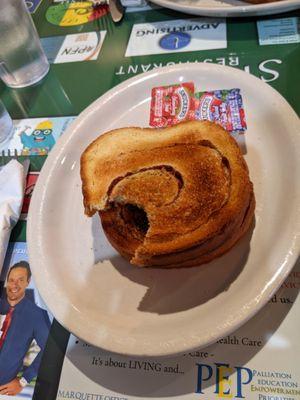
(70, 87)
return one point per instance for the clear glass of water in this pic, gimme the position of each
(22, 59)
(6, 124)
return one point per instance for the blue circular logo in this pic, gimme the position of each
(175, 41)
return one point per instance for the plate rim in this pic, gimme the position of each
(236, 11)
(51, 163)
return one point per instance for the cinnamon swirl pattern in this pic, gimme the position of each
(172, 197)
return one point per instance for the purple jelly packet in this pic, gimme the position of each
(224, 107)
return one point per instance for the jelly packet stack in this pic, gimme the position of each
(176, 103)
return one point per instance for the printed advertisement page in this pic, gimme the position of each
(259, 361)
(24, 326)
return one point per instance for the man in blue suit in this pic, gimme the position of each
(22, 321)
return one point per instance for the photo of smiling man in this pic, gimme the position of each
(22, 324)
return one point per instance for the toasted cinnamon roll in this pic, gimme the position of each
(172, 197)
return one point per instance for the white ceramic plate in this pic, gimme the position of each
(105, 301)
(228, 8)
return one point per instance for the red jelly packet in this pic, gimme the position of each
(172, 104)
(224, 107)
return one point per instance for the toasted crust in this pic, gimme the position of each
(176, 196)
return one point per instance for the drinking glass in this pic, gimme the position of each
(22, 59)
(6, 124)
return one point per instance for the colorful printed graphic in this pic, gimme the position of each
(35, 136)
(172, 104)
(74, 13)
(225, 107)
(175, 41)
(32, 5)
(177, 35)
(40, 141)
(73, 48)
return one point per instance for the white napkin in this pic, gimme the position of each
(12, 187)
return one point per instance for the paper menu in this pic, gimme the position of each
(258, 361)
